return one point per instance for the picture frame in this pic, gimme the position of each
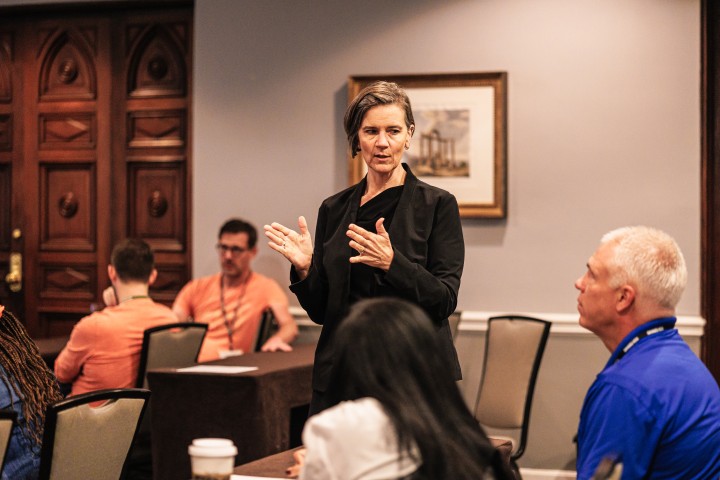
(460, 139)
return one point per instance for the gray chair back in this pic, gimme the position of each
(85, 441)
(609, 468)
(513, 350)
(174, 345)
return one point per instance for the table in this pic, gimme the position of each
(255, 409)
(274, 466)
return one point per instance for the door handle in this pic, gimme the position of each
(14, 277)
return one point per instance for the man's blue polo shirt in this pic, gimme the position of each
(656, 406)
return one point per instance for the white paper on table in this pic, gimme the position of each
(216, 369)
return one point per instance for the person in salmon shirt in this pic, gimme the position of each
(104, 347)
(232, 301)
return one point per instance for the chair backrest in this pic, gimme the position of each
(8, 418)
(81, 441)
(266, 329)
(609, 468)
(173, 345)
(514, 347)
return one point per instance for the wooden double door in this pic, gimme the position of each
(94, 147)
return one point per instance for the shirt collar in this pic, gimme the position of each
(653, 326)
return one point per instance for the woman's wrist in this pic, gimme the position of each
(303, 270)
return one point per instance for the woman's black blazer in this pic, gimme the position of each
(427, 238)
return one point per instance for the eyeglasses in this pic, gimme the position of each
(234, 250)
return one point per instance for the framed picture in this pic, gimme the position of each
(459, 142)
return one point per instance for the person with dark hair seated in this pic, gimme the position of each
(401, 414)
(104, 347)
(232, 302)
(28, 387)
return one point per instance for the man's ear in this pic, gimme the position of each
(112, 274)
(152, 277)
(625, 298)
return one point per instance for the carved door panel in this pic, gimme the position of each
(153, 122)
(94, 111)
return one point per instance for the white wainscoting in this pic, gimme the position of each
(572, 359)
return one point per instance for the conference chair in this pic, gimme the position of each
(8, 418)
(609, 468)
(85, 441)
(514, 347)
(267, 329)
(174, 345)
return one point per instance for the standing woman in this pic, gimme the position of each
(389, 235)
(28, 387)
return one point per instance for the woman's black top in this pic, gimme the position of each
(362, 283)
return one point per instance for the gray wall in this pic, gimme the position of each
(603, 123)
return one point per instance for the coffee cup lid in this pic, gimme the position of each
(213, 442)
(212, 447)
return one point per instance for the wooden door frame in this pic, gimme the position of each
(710, 183)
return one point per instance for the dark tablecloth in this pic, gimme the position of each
(253, 409)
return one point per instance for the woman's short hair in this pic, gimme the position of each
(651, 261)
(377, 93)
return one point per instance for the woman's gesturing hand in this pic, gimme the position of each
(374, 249)
(296, 247)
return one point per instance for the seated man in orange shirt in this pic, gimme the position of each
(232, 302)
(104, 348)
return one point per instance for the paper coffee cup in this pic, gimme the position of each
(212, 458)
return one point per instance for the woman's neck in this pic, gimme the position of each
(378, 183)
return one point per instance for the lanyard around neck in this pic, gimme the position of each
(640, 336)
(230, 323)
(134, 297)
